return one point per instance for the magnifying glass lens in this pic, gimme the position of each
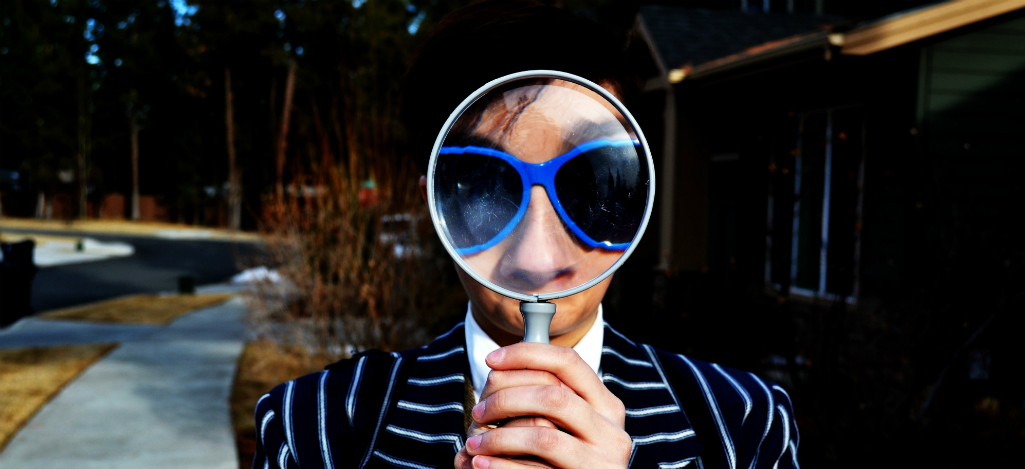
(604, 191)
(479, 194)
(540, 185)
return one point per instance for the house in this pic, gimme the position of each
(841, 209)
(814, 162)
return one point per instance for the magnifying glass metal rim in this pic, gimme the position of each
(436, 217)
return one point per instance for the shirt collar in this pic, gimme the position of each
(479, 345)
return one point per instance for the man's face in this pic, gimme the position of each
(539, 253)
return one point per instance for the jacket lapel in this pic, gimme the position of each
(424, 426)
(655, 418)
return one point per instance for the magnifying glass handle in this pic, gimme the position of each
(537, 318)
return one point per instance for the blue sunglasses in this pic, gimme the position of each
(599, 190)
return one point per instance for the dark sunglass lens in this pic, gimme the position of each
(604, 191)
(476, 196)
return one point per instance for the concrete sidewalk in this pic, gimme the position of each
(160, 400)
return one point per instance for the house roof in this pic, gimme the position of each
(695, 43)
(692, 36)
(902, 28)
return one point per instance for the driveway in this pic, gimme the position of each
(154, 267)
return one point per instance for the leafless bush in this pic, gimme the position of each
(360, 264)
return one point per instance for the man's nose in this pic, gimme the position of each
(543, 252)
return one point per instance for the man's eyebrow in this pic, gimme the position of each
(472, 140)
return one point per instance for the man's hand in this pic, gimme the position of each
(561, 413)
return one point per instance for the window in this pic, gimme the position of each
(814, 206)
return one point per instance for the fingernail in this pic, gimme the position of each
(478, 411)
(474, 443)
(495, 357)
(481, 462)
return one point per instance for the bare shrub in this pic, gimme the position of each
(347, 230)
(361, 265)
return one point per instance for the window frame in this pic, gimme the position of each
(821, 291)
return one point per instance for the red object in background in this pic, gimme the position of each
(63, 205)
(367, 197)
(113, 207)
(152, 210)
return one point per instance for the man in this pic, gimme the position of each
(476, 397)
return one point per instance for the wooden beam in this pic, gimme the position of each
(919, 24)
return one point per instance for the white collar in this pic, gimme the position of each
(479, 345)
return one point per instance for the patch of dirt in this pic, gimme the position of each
(138, 309)
(125, 227)
(263, 365)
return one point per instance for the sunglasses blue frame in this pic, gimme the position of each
(542, 174)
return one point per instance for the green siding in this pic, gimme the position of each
(969, 195)
(967, 84)
(1003, 38)
(973, 86)
(977, 62)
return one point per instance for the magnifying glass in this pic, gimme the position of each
(540, 186)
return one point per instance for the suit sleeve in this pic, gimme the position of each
(309, 421)
(272, 450)
(775, 429)
(743, 422)
(786, 427)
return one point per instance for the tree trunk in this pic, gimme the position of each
(234, 179)
(336, 120)
(283, 134)
(41, 205)
(273, 111)
(133, 127)
(83, 146)
(327, 157)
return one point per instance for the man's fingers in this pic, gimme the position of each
(499, 379)
(462, 460)
(524, 462)
(556, 447)
(529, 422)
(477, 428)
(557, 404)
(564, 363)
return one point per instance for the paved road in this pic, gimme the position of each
(155, 267)
(160, 400)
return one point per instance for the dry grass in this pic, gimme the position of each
(39, 239)
(138, 309)
(262, 366)
(124, 227)
(29, 377)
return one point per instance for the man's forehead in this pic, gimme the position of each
(539, 122)
(562, 102)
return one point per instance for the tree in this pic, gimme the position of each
(236, 41)
(286, 119)
(46, 124)
(136, 53)
(234, 179)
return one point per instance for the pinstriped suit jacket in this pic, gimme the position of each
(406, 410)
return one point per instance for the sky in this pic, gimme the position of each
(184, 11)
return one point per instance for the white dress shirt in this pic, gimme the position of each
(479, 345)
